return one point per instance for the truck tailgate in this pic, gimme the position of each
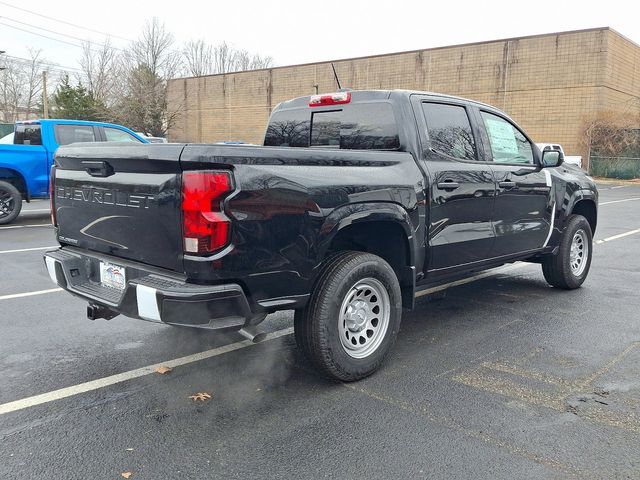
(121, 199)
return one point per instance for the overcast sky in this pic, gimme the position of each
(298, 31)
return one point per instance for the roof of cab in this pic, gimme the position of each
(364, 95)
(65, 121)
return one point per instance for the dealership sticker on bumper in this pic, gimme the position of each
(112, 275)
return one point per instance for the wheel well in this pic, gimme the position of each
(15, 179)
(587, 208)
(385, 239)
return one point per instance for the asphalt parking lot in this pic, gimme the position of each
(504, 377)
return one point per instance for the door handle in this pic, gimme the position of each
(98, 168)
(448, 185)
(507, 185)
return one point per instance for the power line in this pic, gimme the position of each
(41, 35)
(57, 33)
(65, 22)
(55, 66)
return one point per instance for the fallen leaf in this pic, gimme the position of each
(126, 474)
(200, 396)
(163, 370)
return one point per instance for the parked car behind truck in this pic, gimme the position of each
(26, 162)
(357, 201)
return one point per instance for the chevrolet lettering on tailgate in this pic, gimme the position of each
(106, 197)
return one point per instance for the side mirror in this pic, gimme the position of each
(551, 158)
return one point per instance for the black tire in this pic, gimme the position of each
(317, 327)
(557, 269)
(10, 203)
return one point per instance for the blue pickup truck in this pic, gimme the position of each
(25, 165)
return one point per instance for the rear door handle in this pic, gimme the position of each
(448, 185)
(507, 185)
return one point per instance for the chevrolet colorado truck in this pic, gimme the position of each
(356, 201)
(26, 162)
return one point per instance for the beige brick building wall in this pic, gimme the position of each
(550, 84)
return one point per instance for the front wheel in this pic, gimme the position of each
(10, 203)
(570, 267)
(353, 316)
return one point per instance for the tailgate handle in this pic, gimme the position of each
(98, 168)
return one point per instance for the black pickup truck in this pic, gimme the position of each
(357, 201)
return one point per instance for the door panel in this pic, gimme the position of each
(523, 209)
(460, 229)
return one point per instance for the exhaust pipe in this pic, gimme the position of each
(94, 312)
(252, 334)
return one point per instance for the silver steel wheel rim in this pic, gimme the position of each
(579, 253)
(364, 318)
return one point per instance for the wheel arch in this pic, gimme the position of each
(375, 228)
(15, 178)
(588, 208)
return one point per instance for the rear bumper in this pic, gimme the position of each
(149, 294)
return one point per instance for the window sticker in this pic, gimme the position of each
(503, 140)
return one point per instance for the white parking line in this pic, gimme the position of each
(131, 374)
(26, 226)
(196, 357)
(616, 237)
(29, 294)
(619, 201)
(37, 210)
(28, 249)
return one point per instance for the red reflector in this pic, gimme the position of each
(205, 226)
(330, 99)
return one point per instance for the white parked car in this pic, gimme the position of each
(7, 139)
(570, 159)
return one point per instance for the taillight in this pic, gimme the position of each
(52, 204)
(205, 226)
(330, 99)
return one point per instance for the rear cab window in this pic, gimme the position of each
(358, 126)
(27, 134)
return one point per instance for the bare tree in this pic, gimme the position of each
(102, 72)
(155, 50)
(150, 61)
(198, 58)
(228, 59)
(21, 86)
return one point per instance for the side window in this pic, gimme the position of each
(450, 130)
(117, 135)
(66, 134)
(508, 144)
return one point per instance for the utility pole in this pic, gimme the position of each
(45, 98)
(1, 67)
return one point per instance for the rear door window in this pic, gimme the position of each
(27, 134)
(66, 134)
(450, 130)
(508, 144)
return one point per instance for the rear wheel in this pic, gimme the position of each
(570, 267)
(10, 202)
(352, 318)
